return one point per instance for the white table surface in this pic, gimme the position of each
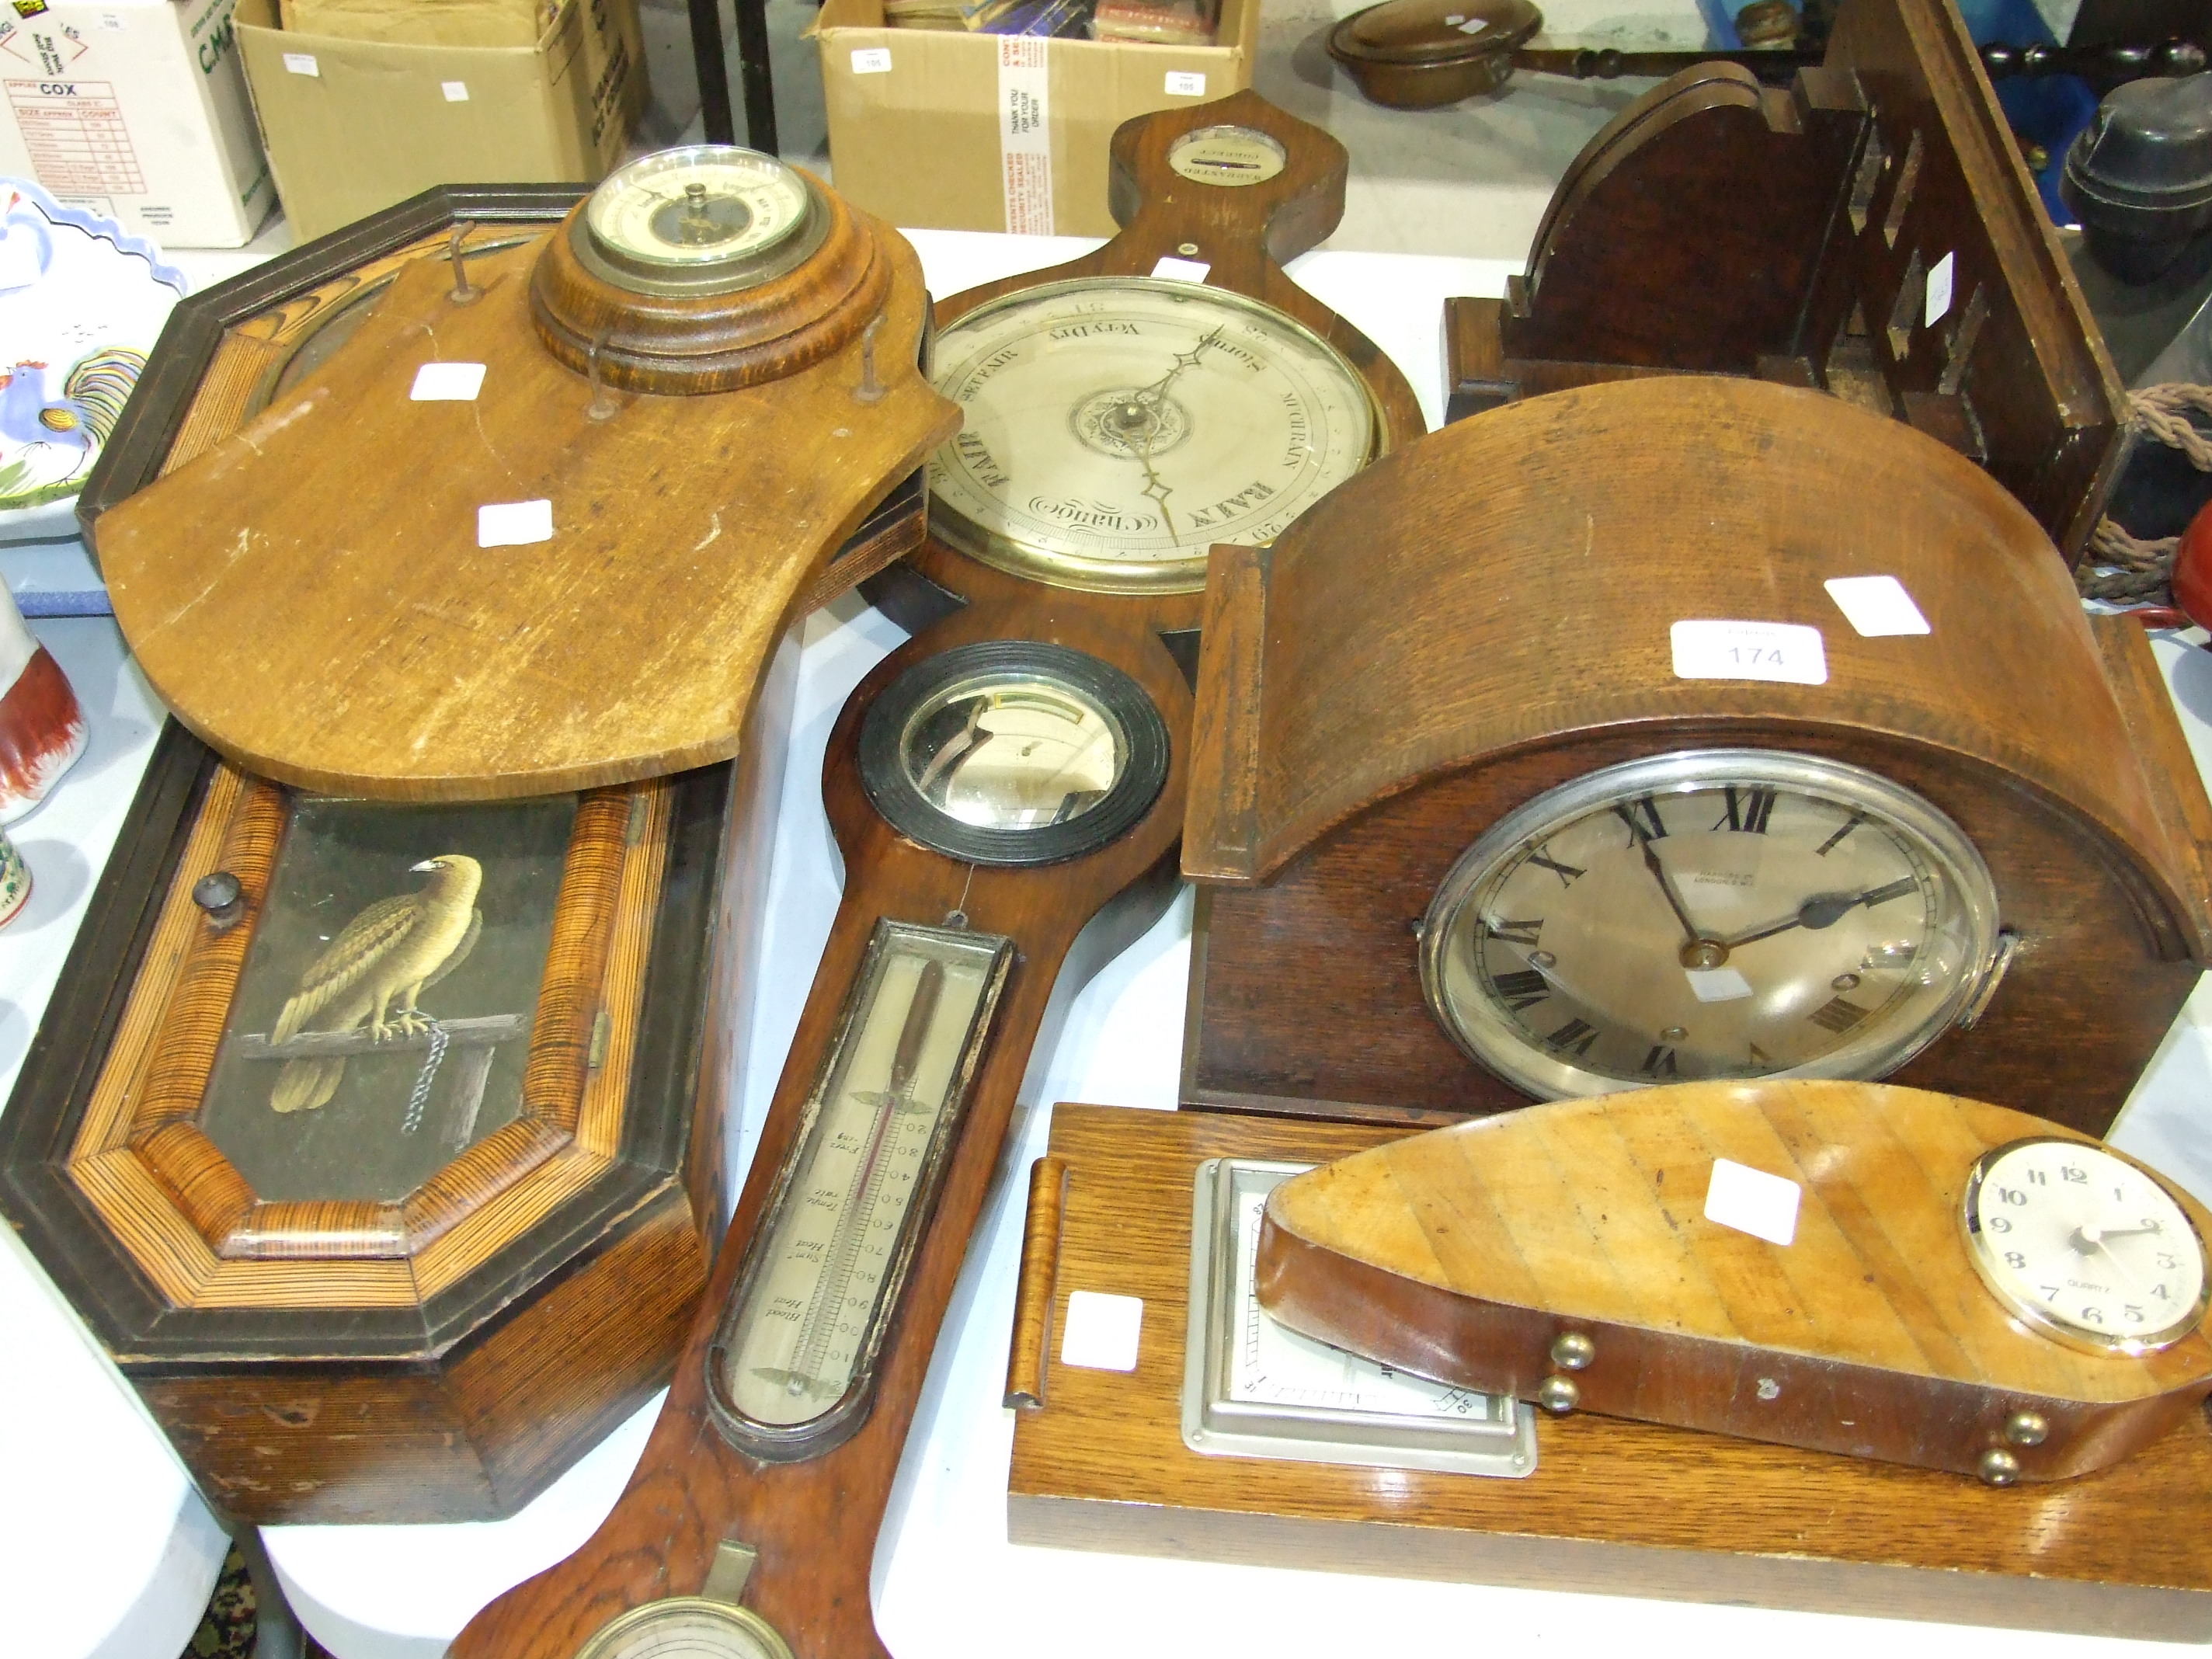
(97, 1502)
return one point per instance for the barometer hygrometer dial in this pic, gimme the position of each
(1118, 427)
(1013, 752)
(1709, 914)
(686, 1627)
(2084, 1246)
(702, 219)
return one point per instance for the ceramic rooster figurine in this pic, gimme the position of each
(78, 422)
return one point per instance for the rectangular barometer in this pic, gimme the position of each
(1253, 1388)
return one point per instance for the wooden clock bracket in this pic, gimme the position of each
(1868, 231)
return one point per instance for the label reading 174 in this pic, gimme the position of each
(1787, 651)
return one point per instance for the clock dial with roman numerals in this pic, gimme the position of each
(1119, 427)
(1709, 914)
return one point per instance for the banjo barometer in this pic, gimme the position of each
(1014, 771)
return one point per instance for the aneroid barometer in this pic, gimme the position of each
(657, 419)
(1754, 780)
(1012, 773)
(1162, 415)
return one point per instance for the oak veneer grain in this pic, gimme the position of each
(1486, 614)
(1613, 1508)
(384, 652)
(1464, 1253)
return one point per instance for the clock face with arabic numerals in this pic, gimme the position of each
(1118, 427)
(2084, 1246)
(1709, 914)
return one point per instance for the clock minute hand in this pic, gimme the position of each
(1822, 910)
(1690, 933)
(2089, 1236)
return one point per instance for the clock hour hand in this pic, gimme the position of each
(1822, 910)
(2089, 1236)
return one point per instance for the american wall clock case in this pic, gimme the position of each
(377, 1139)
(1014, 771)
(1964, 850)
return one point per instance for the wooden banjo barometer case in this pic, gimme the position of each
(1010, 779)
(376, 1131)
(1870, 232)
(1458, 852)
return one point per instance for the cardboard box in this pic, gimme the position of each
(138, 110)
(353, 126)
(426, 22)
(963, 132)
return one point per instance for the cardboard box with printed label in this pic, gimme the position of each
(138, 110)
(354, 125)
(961, 131)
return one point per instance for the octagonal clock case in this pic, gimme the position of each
(1679, 729)
(375, 1127)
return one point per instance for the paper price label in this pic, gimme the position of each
(872, 60)
(1876, 606)
(447, 383)
(1102, 1331)
(1788, 653)
(457, 92)
(1180, 271)
(1752, 1201)
(1939, 290)
(514, 524)
(1183, 83)
(303, 63)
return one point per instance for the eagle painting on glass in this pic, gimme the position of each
(384, 1015)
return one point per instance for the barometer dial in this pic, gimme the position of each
(701, 217)
(686, 1627)
(1118, 427)
(1712, 914)
(2084, 1246)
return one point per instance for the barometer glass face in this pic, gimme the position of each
(789, 1364)
(1709, 914)
(697, 213)
(1012, 751)
(686, 1627)
(1118, 427)
(2083, 1246)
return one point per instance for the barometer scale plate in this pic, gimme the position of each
(1254, 1389)
(1167, 417)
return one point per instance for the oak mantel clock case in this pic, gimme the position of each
(1641, 803)
(1014, 771)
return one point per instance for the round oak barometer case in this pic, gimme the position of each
(704, 269)
(2084, 1246)
(1118, 427)
(1709, 914)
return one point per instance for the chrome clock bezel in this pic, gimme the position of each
(1486, 1036)
(2041, 1320)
